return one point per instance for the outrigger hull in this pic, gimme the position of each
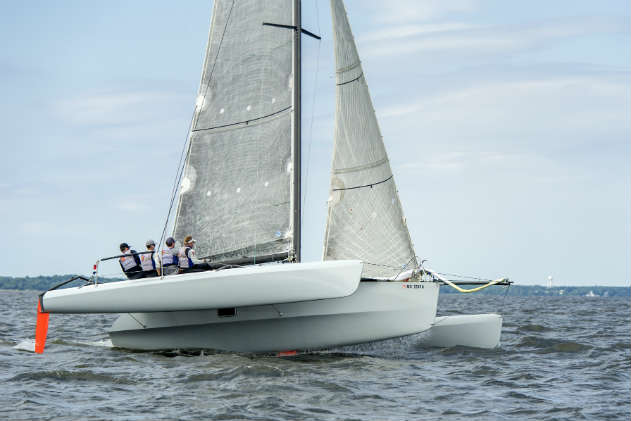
(235, 287)
(375, 311)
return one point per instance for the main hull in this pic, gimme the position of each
(375, 311)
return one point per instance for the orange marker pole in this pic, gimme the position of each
(41, 329)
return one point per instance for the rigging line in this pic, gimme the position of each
(313, 104)
(194, 117)
(242, 122)
(366, 185)
(463, 276)
(504, 299)
(138, 321)
(351, 81)
(176, 182)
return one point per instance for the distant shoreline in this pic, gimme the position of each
(43, 283)
(39, 283)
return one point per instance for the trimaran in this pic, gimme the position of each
(239, 195)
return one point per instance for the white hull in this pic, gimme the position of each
(237, 287)
(474, 330)
(375, 311)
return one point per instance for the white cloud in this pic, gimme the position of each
(408, 39)
(420, 10)
(445, 162)
(554, 103)
(114, 108)
(406, 31)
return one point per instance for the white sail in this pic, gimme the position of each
(235, 191)
(365, 219)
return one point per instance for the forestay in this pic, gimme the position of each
(365, 219)
(235, 191)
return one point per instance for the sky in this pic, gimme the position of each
(507, 126)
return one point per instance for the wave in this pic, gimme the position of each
(69, 376)
(547, 345)
(532, 328)
(246, 371)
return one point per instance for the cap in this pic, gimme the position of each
(124, 246)
(150, 243)
(170, 241)
(189, 239)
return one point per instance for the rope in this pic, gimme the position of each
(457, 288)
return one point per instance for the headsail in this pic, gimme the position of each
(235, 191)
(365, 220)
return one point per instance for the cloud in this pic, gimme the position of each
(122, 108)
(446, 162)
(552, 102)
(478, 39)
(421, 10)
(407, 31)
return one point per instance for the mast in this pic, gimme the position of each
(296, 131)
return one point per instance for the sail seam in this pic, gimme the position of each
(349, 67)
(362, 167)
(365, 185)
(350, 81)
(246, 122)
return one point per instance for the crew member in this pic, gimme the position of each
(186, 256)
(169, 257)
(130, 262)
(148, 262)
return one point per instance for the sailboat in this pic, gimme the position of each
(240, 196)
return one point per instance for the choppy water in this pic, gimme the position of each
(562, 358)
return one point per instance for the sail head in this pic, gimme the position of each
(365, 218)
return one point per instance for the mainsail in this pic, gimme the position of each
(365, 220)
(235, 191)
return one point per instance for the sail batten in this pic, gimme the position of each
(235, 194)
(365, 219)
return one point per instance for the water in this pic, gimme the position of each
(562, 358)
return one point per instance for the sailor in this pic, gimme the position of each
(148, 261)
(186, 257)
(130, 262)
(169, 257)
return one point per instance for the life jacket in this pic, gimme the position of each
(184, 261)
(169, 257)
(146, 262)
(130, 263)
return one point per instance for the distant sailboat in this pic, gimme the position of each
(240, 197)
